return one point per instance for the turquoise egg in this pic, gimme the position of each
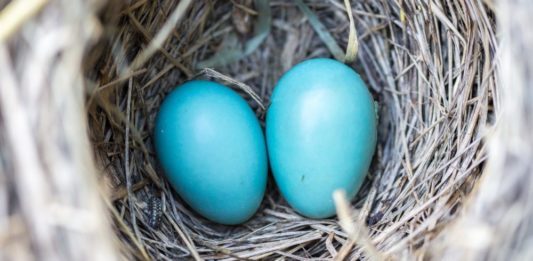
(212, 150)
(321, 134)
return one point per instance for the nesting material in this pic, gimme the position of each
(431, 67)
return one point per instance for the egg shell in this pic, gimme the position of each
(212, 150)
(321, 134)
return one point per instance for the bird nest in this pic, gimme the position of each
(429, 65)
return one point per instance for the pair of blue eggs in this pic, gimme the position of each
(320, 135)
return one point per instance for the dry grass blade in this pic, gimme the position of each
(127, 164)
(232, 82)
(353, 43)
(187, 241)
(16, 13)
(321, 30)
(161, 36)
(357, 233)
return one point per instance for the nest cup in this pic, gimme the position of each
(429, 78)
(429, 66)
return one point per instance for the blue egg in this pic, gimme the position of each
(321, 134)
(212, 150)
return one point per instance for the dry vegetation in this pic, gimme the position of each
(432, 67)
